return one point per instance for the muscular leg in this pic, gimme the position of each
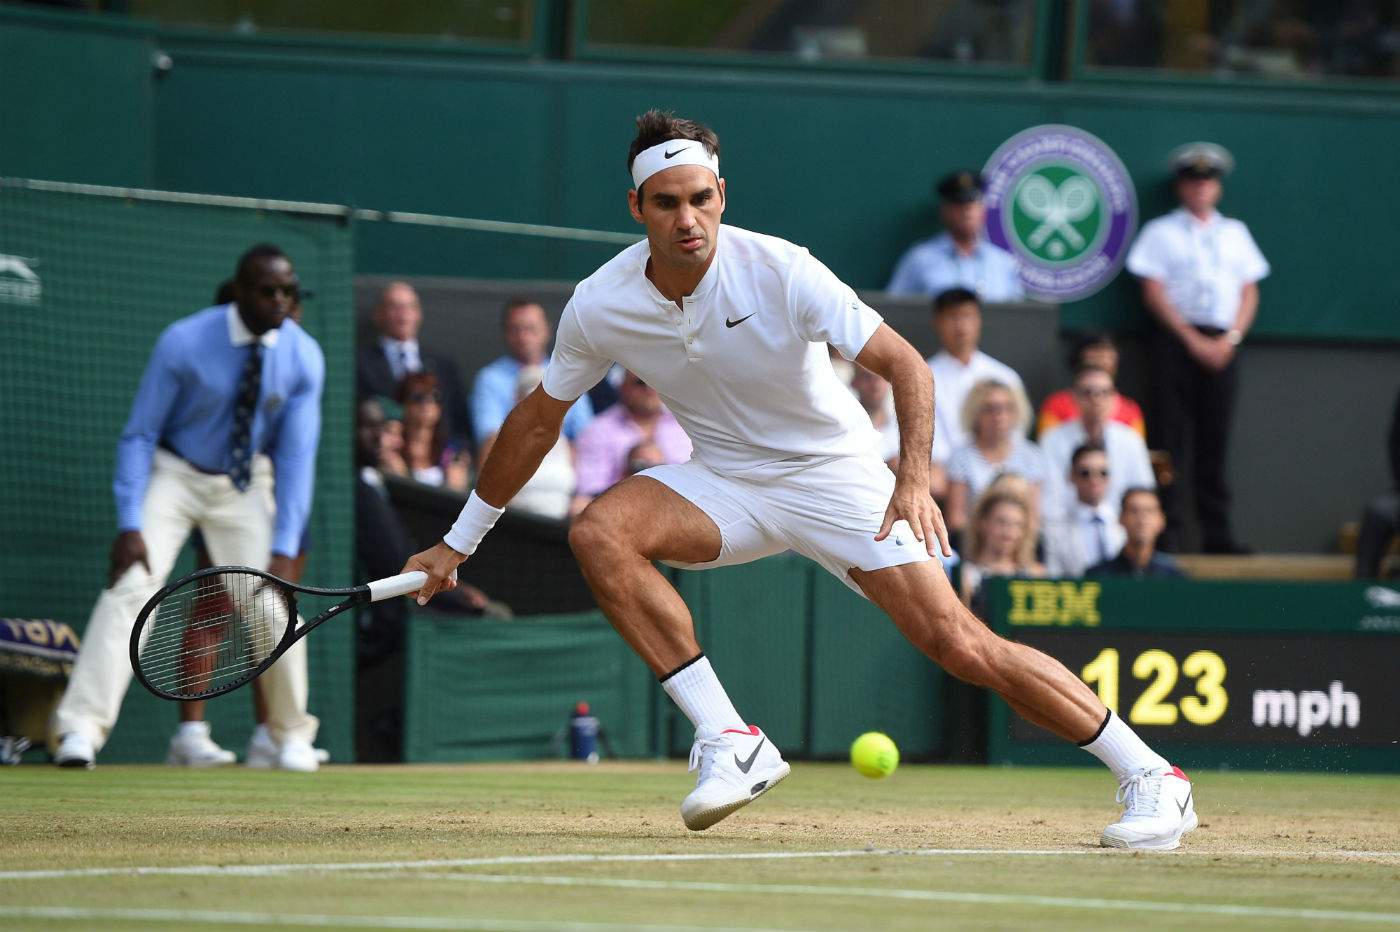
(922, 604)
(617, 537)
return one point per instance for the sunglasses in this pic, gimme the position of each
(268, 291)
(1084, 472)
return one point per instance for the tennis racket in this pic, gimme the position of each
(216, 629)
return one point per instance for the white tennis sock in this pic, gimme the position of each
(697, 691)
(1122, 750)
(194, 728)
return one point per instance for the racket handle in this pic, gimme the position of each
(391, 586)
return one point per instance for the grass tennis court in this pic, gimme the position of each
(561, 847)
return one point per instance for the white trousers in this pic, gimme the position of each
(237, 528)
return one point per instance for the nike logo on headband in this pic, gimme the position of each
(677, 152)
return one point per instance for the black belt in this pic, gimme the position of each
(1209, 331)
(193, 465)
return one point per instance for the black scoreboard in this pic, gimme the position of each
(1274, 675)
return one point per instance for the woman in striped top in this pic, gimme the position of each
(996, 416)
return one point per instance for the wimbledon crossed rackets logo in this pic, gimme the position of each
(1062, 203)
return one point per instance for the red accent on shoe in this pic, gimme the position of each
(752, 731)
(1176, 772)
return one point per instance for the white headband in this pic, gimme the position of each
(669, 154)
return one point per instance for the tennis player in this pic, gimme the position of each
(730, 328)
(222, 386)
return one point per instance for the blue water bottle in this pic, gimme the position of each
(583, 735)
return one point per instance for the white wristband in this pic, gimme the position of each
(471, 525)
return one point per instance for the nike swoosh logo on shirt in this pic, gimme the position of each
(1181, 806)
(677, 152)
(744, 765)
(735, 323)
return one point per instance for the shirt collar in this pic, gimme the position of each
(945, 240)
(1087, 512)
(389, 343)
(706, 283)
(240, 335)
(1189, 219)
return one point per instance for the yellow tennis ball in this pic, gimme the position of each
(874, 755)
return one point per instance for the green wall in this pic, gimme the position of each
(841, 163)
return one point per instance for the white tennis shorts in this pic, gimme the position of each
(829, 512)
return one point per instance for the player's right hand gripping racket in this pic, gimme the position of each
(216, 629)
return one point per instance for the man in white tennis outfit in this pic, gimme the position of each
(730, 328)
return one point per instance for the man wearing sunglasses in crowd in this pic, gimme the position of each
(230, 398)
(1087, 531)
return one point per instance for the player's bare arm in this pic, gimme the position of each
(530, 431)
(888, 354)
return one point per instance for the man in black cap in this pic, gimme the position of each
(1200, 273)
(960, 257)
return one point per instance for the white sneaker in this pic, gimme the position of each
(75, 751)
(297, 755)
(1158, 809)
(736, 767)
(262, 751)
(191, 746)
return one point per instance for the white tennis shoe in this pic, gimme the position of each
(736, 767)
(191, 746)
(74, 750)
(1159, 807)
(297, 755)
(263, 752)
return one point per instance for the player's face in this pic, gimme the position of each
(399, 314)
(266, 294)
(1142, 518)
(1090, 477)
(1094, 393)
(527, 334)
(964, 221)
(959, 328)
(681, 210)
(1199, 195)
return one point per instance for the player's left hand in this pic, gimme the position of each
(912, 503)
(283, 567)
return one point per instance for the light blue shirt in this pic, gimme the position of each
(493, 395)
(186, 398)
(932, 266)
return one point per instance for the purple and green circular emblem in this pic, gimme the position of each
(1062, 203)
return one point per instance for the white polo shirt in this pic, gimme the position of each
(741, 363)
(952, 380)
(1202, 264)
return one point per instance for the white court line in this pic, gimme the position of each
(444, 924)
(1096, 904)
(271, 870)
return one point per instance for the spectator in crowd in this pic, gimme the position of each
(961, 256)
(644, 456)
(429, 455)
(550, 491)
(957, 366)
(381, 366)
(1381, 520)
(1200, 276)
(1095, 348)
(995, 416)
(1087, 531)
(874, 395)
(382, 544)
(526, 331)
(223, 386)
(1128, 463)
(1143, 522)
(1002, 541)
(604, 447)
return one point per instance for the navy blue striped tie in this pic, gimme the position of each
(245, 405)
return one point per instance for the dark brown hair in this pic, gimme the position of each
(657, 126)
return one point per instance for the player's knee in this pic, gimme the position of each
(593, 536)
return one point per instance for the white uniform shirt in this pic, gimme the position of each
(1129, 466)
(1085, 535)
(1203, 265)
(740, 363)
(951, 382)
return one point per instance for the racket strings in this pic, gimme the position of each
(212, 633)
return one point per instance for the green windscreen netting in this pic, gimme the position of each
(88, 279)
